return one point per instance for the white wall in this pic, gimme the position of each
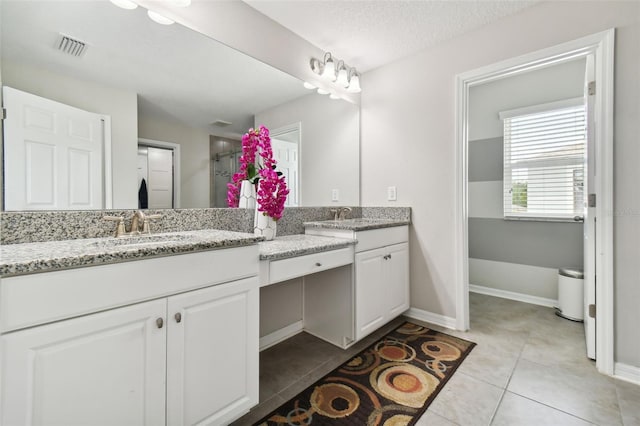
(121, 105)
(194, 156)
(329, 149)
(411, 102)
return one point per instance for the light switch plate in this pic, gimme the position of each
(391, 193)
(335, 195)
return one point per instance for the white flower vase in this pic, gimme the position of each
(264, 226)
(247, 197)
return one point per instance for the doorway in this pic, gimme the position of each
(158, 174)
(600, 48)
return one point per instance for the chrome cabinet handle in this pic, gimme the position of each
(178, 317)
(318, 264)
(578, 218)
(159, 322)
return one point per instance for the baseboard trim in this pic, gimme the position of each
(431, 318)
(520, 297)
(627, 372)
(280, 335)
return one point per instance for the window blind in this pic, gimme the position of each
(544, 158)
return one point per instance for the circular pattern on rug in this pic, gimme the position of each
(334, 400)
(299, 417)
(403, 383)
(398, 420)
(441, 350)
(409, 328)
(394, 350)
(360, 364)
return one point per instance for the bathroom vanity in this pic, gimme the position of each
(164, 329)
(162, 340)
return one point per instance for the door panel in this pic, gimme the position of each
(160, 184)
(589, 227)
(53, 155)
(370, 293)
(75, 372)
(397, 280)
(213, 353)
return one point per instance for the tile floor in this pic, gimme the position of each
(528, 368)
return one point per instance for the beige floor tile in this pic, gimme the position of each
(516, 410)
(589, 396)
(629, 400)
(467, 401)
(429, 418)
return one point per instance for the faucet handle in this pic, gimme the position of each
(343, 212)
(119, 225)
(146, 228)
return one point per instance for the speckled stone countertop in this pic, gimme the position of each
(19, 259)
(357, 224)
(298, 245)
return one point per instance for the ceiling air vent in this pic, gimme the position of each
(221, 123)
(71, 46)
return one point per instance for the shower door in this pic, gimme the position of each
(224, 166)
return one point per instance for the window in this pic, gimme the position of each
(544, 158)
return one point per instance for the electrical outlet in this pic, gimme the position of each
(391, 193)
(335, 195)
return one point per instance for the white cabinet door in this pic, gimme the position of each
(382, 286)
(397, 280)
(101, 369)
(212, 353)
(370, 294)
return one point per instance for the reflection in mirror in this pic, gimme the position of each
(143, 81)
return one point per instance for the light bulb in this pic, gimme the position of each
(334, 96)
(323, 92)
(354, 84)
(308, 85)
(329, 70)
(125, 4)
(156, 17)
(343, 77)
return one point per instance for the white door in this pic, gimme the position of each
(370, 294)
(53, 155)
(160, 184)
(212, 353)
(286, 155)
(590, 216)
(101, 369)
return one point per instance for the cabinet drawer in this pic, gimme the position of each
(375, 238)
(30, 300)
(285, 269)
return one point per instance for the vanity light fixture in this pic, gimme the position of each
(329, 71)
(354, 82)
(342, 79)
(156, 17)
(308, 85)
(343, 75)
(125, 4)
(334, 96)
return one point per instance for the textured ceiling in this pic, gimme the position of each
(370, 33)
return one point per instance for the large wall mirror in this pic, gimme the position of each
(99, 98)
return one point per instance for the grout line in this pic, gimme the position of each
(554, 408)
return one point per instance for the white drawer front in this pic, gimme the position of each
(40, 298)
(286, 269)
(374, 238)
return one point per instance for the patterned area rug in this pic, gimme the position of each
(391, 383)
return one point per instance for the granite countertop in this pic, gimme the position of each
(357, 224)
(301, 244)
(18, 259)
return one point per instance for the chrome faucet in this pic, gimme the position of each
(138, 220)
(342, 212)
